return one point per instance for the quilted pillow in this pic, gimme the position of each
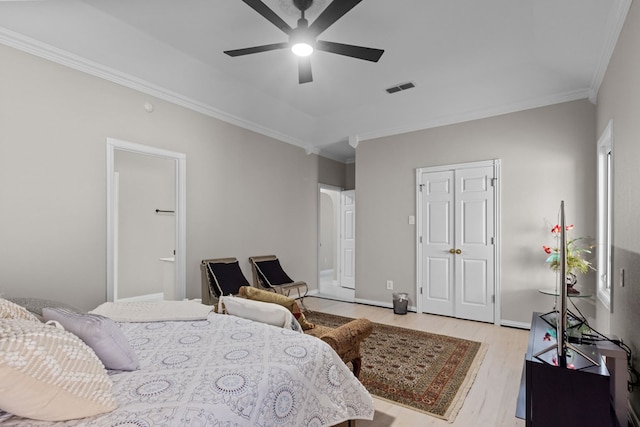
(10, 310)
(100, 333)
(289, 303)
(49, 374)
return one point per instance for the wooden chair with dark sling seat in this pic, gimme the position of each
(220, 276)
(269, 275)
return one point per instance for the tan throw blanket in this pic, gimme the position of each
(156, 311)
(258, 311)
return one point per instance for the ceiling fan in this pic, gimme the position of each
(302, 39)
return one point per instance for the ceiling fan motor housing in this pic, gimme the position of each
(303, 4)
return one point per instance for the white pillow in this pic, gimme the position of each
(259, 311)
(49, 374)
(102, 334)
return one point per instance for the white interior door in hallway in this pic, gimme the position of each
(457, 240)
(348, 239)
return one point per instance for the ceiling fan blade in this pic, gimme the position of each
(269, 14)
(359, 52)
(331, 14)
(304, 70)
(256, 49)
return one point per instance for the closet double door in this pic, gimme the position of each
(457, 242)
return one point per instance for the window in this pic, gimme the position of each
(605, 217)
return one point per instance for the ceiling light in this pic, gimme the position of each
(302, 49)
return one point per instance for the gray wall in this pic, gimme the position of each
(331, 172)
(246, 194)
(619, 99)
(548, 154)
(350, 180)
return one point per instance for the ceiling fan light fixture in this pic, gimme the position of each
(303, 38)
(302, 49)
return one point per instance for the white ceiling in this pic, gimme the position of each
(468, 59)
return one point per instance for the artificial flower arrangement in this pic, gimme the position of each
(575, 262)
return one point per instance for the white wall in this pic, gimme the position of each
(246, 194)
(548, 154)
(619, 99)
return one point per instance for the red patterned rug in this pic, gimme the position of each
(427, 372)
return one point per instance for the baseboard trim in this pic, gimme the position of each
(514, 324)
(633, 417)
(374, 303)
(411, 308)
(414, 309)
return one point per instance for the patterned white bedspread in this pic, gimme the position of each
(227, 371)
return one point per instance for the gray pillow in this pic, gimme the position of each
(100, 333)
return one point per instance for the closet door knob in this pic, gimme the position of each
(452, 251)
(458, 251)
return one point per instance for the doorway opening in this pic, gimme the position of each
(135, 160)
(336, 243)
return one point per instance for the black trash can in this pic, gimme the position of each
(400, 302)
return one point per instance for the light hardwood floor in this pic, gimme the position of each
(491, 402)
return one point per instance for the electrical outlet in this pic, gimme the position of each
(390, 285)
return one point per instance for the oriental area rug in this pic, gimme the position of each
(426, 372)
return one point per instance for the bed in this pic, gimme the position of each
(224, 370)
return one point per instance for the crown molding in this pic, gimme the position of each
(613, 29)
(482, 113)
(310, 149)
(59, 56)
(70, 60)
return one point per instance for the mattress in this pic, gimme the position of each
(228, 371)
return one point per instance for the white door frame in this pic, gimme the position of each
(497, 238)
(180, 214)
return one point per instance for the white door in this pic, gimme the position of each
(458, 243)
(348, 239)
(438, 241)
(474, 284)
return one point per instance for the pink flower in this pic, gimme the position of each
(547, 249)
(569, 227)
(556, 229)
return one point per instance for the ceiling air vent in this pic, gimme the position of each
(399, 87)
